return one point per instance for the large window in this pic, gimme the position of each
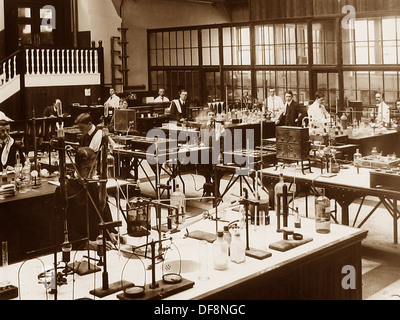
(324, 42)
(372, 41)
(210, 47)
(281, 44)
(174, 48)
(220, 62)
(236, 46)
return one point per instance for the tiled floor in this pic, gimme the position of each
(381, 257)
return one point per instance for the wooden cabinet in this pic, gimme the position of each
(292, 143)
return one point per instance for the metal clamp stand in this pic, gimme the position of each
(158, 289)
(107, 288)
(285, 209)
(251, 252)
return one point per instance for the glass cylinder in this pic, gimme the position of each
(203, 261)
(5, 281)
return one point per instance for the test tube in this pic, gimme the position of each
(5, 281)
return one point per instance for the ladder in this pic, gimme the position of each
(119, 59)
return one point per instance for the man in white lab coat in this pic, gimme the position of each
(383, 110)
(317, 113)
(275, 104)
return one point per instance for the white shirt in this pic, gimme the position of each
(8, 142)
(95, 144)
(275, 104)
(383, 112)
(318, 113)
(113, 101)
(161, 99)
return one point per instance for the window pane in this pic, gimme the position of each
(361, 32)
(195, 39)
(159, 40)
(245, 36)
(227, 56)
(24, 13)
(160, 59)
(187, 38)
(348, 53)
(188, 57)
(280, 54)
(389, 52)
(205, 37)
(215, 56)
(166, 57)
(214, 37)
(349, 80)
(206, 56)
(153, 58)
(172, 39)
(24, 33)
(166, 39)
(362, 53)
(179, 39)
(173, 57)
(390, 83)
(389, 28)
(195, 57)
(180, 57)
(152, 40)
(246, 56)
(227, 37)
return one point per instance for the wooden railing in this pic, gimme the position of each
(9, 84)
(61, 61)
(44, 67)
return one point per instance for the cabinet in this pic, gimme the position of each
(292, 145)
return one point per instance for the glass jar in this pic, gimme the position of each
(322, 214)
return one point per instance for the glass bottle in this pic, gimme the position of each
(357, 157)
(177, 199)
(322, 214)
(344, 121)
(238, 248)
(227, 237)
(18, 165)
(220, 252)
(4, 178)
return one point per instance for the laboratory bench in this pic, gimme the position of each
(27, 220)
(317, 270)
